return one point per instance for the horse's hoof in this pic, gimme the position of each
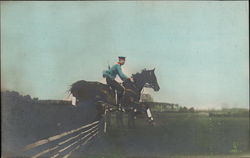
(153, 124)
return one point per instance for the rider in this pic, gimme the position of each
(110, 76)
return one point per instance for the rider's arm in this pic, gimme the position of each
(120, 73)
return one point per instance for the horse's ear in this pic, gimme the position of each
(153, 69)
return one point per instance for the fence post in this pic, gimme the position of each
(105, 121)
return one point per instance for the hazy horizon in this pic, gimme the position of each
(199, 49)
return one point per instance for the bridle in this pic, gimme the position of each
(149, 83)
(141, 79)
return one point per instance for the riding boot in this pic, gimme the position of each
(119, 100)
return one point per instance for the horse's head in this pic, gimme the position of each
(147, 79)
(150, 79)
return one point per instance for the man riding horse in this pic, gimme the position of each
(128, 94)
(110, 76)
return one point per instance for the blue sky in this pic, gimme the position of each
(199, 49)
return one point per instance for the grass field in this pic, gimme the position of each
(25, 121)
(174, 135)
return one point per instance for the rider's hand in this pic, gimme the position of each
(131, 79)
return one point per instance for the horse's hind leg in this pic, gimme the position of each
(131, 119)
(100, 107)
(119, 118)
(108, 118)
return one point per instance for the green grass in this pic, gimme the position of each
(175, 134)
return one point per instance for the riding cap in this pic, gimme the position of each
(121, 57)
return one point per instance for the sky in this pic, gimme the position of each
(199, 49)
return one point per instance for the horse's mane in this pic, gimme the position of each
(138, 73)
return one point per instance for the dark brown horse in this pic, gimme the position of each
(104, 97)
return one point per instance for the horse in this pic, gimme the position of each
(104, 96)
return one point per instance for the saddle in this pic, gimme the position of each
(129, 91)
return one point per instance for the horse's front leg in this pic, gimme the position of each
(100, 108)
(150, 116)
(132, 112)
(146, 110)
(131, 119)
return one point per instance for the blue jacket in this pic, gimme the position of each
(113, 71)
